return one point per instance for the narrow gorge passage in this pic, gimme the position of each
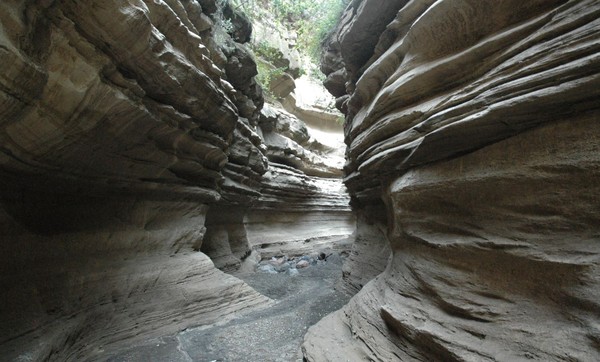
(273, 333)
(176, 185)
(155, 157)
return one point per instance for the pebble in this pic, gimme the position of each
(277, 261)
(283, 267)
(267, 268)
(302, 264)
(282, 264)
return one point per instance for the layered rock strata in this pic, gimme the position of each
(121, 271)
(130, 143)
(476, 124)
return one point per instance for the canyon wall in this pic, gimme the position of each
(472, 127)
(135, 155)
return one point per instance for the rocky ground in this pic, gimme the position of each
(303, 295)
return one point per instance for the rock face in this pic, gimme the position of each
(473, 127)
(131, 147)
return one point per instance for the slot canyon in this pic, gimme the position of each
(439, 201)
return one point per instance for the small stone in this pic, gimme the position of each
(293, 272)
(283, 267)
(277, 261)
(267, 268)
(302, 264)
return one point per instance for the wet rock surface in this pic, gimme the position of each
(269, 334)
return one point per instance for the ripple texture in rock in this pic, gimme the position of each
(474, 126)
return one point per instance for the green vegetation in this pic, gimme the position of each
(303, 24)
(223, 27)
(268, 53)
(266, 74)
(312, 20)
(268, 57)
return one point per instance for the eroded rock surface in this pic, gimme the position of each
(476, 124)
(270, 334)
(131, 152)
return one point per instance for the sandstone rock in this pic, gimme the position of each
(130, 144)
(201, 21)
(105, 274)
(475, 122)
(285, 124)
(225, 240)
(370, 249)
(281, 86)
(360, 32)
(268, 34)
(335, 83)
(208, 6)
(242, 27)
(288, 142)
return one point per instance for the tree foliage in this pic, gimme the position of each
(312, 20)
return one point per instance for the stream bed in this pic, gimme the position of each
(273, 333)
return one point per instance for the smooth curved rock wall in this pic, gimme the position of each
(476, 124)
